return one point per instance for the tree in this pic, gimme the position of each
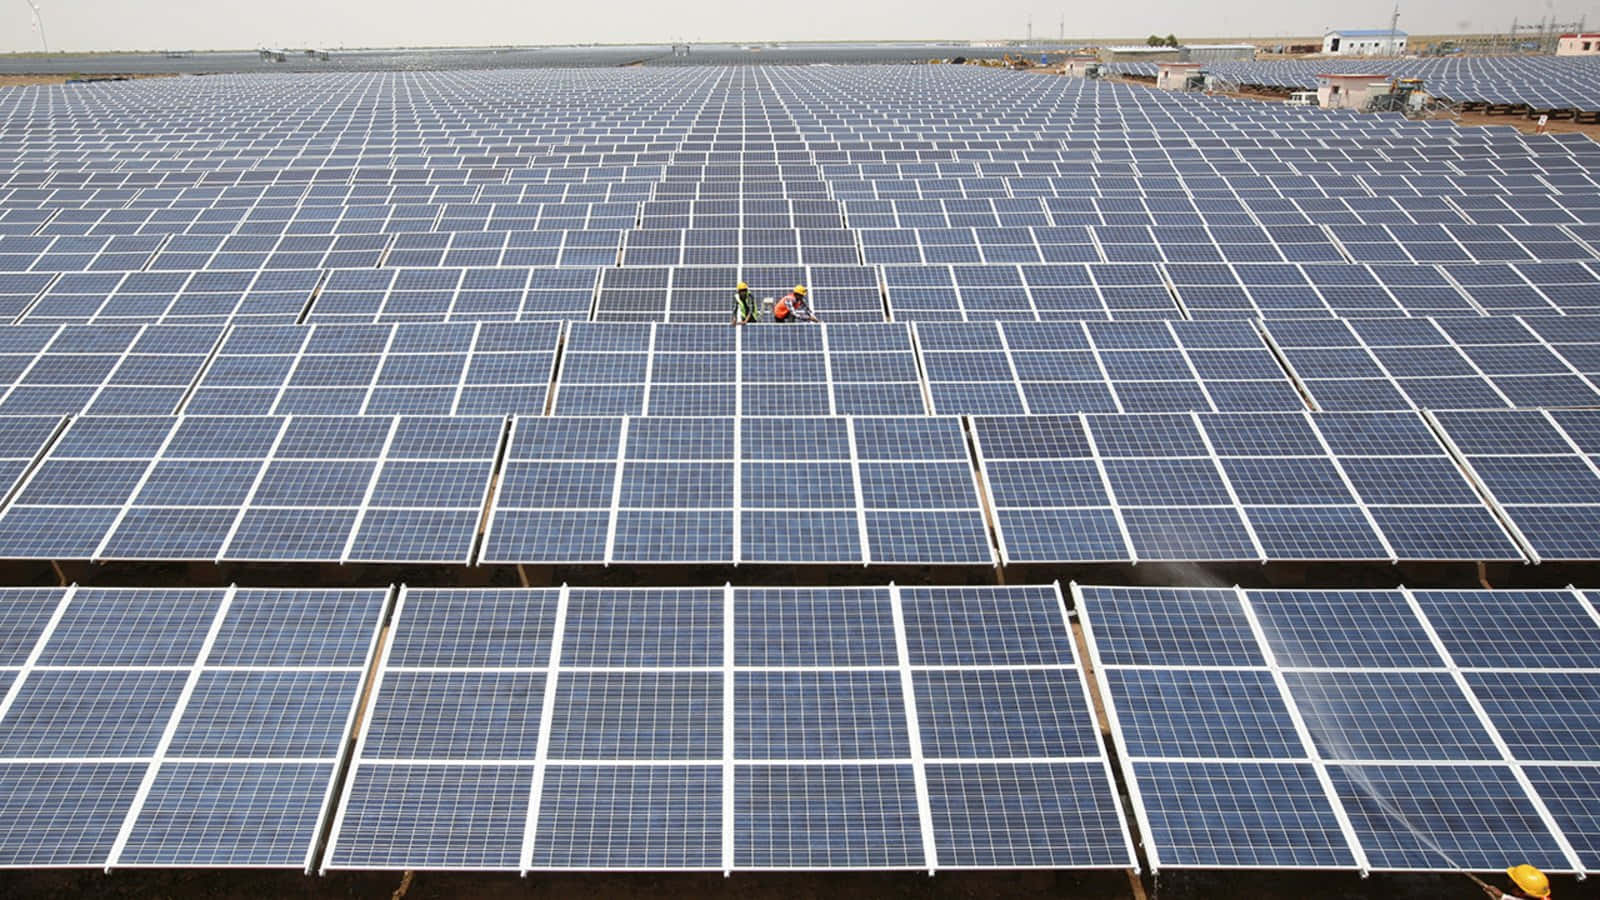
(1172, 41)
(1154, 41)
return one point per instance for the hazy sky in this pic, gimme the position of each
(218, 24)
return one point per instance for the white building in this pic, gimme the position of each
(1174, 76)
(1217, 52)
(1349, 91)
(1364, 42)
(1579, 45)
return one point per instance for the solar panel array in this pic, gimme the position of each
(1381, 730)
(274, 488)
(1221, 486)
(723, 728)
(671, 370)
(176, 727)
(982, 244)
(449, 319)
(723, 490)
(795, 728)
(927, 490)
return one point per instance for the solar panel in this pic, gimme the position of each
(1568, 791)
(131, 737)
(565, 726)
(1359, 688)
(1239, 815)
(670, 497)
(1438, 816)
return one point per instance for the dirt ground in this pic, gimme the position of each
(20, 80)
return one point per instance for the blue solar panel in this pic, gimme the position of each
(1513, 629)
(1239, 815)
(1389, 716)
(864, 714)
(634, 715)
(826, 816)
(421, 816)
(643, 628)
(985, 627)
(24, 612)
(1178, 627)
(1202, 714)
(461, 627)
(813, 627)
(1543, 716)
(1018, 815)
(63, 813)
(86, 713)
(1003, 714)
(630, 817)
(267, 714)
(131, 673)
(1434, 817)
(132, 627)
(1570, 793)
(212, 814)
(1337, 629)
(455, 715)
(641, 681)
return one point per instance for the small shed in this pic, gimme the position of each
(1349, 91)
(1174, 76)
(1579, 44)
(1078, 66)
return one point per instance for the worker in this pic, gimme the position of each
(793, 307)
(744, 306)
(1527, 882)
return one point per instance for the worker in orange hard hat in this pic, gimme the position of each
(793, 307)
(1527, 882)
(744, 305)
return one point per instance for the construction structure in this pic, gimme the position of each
(1364, 42)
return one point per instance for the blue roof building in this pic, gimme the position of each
(1364, 42)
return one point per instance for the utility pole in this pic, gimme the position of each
(1061, 37)
(1030, 28)
(1394, 30)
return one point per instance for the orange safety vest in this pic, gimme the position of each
(781, 311)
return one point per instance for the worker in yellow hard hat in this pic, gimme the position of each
(744, 305)
(1527, 882)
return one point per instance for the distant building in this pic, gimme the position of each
(1364, 42)
(1579, 45)
(1215, 52)
(1080, 66)
(1174, 76)
(1351, 91)
(1141, 54)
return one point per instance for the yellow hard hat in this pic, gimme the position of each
(742, 287)
(799, 290)
(1529, 880)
